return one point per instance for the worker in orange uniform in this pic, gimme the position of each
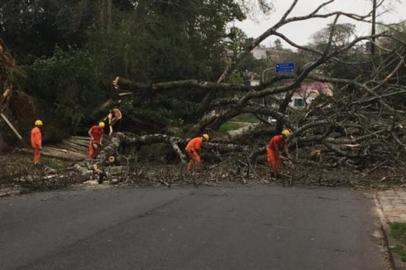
(275, 145)
(193, 150)
(96, 138)
(36, 141)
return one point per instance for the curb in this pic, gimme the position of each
(6, 192)
(394, 259)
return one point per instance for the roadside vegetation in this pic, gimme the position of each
(398, 232)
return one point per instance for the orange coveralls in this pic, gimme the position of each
(36, 143)
(97, 133)
(273, 157)
(192, 149)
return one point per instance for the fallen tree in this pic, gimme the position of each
(360, 127)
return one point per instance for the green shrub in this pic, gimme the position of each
(66, 88)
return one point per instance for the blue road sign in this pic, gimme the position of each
(285, 68)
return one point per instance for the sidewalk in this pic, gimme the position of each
(392, 205)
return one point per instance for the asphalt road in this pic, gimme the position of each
(260, 227)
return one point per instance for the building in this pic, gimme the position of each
(261, 53)
(309, 91)
(305, 95)
(273, 54)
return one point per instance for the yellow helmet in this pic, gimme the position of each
(206, 137)
(101, 124)
(38, 123)
(286, 132)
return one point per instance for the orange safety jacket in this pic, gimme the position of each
(273, 157)
(194, 145)
(36, 138)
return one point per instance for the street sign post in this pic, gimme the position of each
(285, 68)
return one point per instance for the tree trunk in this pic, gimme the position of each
(373, 27)
(109, 16)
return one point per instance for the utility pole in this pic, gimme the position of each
(373, 32)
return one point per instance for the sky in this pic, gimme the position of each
(302, 32)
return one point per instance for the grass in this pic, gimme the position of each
(54, 163)
(17, 165)
(13, 165)
(246, 117)
(398, 232)
(238, 122)
(229, 126)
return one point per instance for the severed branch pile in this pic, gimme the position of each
(361, 128)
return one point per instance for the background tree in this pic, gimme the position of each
(278, 44)
(342, 34)
(77, 46)
(34, 28)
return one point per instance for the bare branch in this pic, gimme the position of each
(288, 11)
